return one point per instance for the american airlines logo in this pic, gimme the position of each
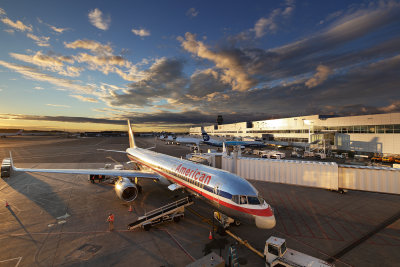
(194, 174)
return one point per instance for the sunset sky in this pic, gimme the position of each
(169, 65)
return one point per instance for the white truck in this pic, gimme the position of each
(272, 154)
(277, 254)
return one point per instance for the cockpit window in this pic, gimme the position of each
(253, 200)
(235, 198)
(243, 200)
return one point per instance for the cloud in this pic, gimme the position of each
(58, 106)
(35, 74)
(108, 64)
(347, 28)
(91, 45)
(192, 12)
(71, 71)
(393, 107)
(18, 25)
(2, 12)
(264, 25)
(52, 63)
(38, 88)
(319, 77)
(85, 99)
(54, 28)
(104, 60)
(204, 83)
(97, 19)
(141, 32)
(40, 41)
(58, 30)
(228, 61)
(271, 23)
(10, 31)
(164, 78)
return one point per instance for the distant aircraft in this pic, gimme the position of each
(213, 142)
(4, 135)
(227, 192)
(167, 138)
(188, 140)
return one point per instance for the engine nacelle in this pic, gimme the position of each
(125, 189)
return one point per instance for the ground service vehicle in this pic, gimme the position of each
(376, 158)
(277, 254)
(6, 168)
(272, 154)
(389, 159)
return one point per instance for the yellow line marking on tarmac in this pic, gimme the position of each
(243, 242)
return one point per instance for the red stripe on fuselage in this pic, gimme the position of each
(258, 212)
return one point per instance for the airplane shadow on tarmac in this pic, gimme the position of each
(38, 191)
(22, 225)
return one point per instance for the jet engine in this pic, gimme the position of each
(125, 189)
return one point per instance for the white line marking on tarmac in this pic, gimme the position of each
(16, 265)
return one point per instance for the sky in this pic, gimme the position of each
(169, 65)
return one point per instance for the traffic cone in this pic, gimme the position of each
(210, 236)
(130, 208)
(6, 204)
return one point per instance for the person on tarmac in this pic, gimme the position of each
(110, 221)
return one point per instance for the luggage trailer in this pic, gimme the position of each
(171, 212)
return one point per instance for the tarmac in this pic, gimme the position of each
(60, 219)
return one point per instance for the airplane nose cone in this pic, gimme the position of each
(264, 222)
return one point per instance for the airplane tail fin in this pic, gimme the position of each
(206, 137)
(131, 137)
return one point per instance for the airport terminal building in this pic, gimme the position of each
(366, 133)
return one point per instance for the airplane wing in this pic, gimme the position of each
(108, 150)
(124, 173)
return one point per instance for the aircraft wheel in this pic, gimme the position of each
(221, 231)
(237, 222)
(147, 227)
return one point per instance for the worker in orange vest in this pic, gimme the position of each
(110, 221)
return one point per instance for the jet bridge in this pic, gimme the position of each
(172, 211)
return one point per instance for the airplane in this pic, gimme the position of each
(213, 142)
(4, 135)
(167, 138)
(230, 194)
(188, 140)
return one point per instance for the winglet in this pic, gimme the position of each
(11, 162)
(131, 137)
(224, 148)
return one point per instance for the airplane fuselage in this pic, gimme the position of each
(227, 192)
